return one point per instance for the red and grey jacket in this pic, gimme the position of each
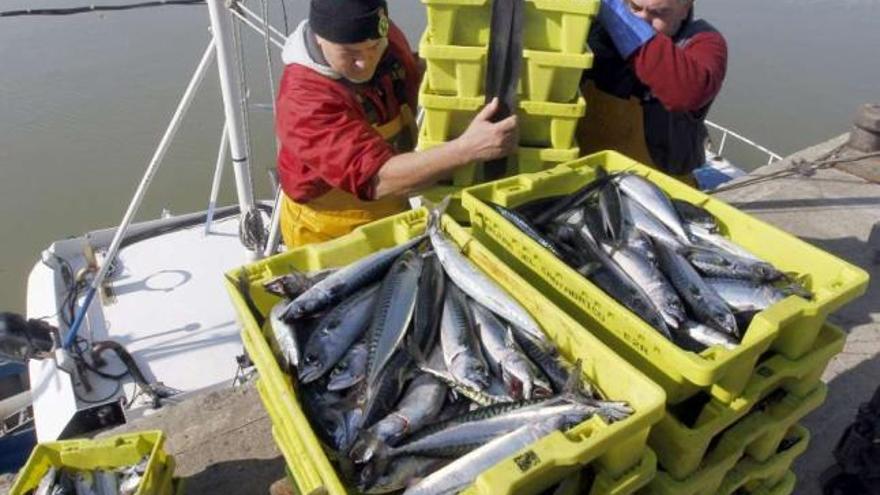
(676, 78)
(329, 128)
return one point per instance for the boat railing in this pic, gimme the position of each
(728, 133)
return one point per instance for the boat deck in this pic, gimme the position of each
(166, 305)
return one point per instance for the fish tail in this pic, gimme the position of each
(435, 212)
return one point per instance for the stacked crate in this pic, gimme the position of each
(455, 47)
(731, 423)
(615, 454)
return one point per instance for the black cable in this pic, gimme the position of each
(97, 8)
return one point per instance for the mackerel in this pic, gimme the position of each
(393, 312)
(464, 470)
(520, 376)
(350, 370)
(335, 333)
(654, 200)
(461, 347)
(476, 284)
(705, 303)
(346, 281)
(743, 296)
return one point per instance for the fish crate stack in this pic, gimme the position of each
(732, 413)
(615, 453)
(133, 463)
(555, 54)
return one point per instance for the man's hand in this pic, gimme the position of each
(485, 140)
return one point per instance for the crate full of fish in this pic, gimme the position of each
(552, 25)
(405, 357)
(689, 429)
(128, 464)
(687, 288)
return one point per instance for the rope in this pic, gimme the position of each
(265, 6)
(801, 167)
(284, 13)
(98, 8)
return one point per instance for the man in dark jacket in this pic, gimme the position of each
(656, 72)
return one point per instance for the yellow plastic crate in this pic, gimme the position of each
(613, 449)
(546, 76)
(109, 453)
(729, 468)
(525, 160)
(752, 474)
(789, 327)
(551, 25)
(541, 124)
(784, 487)
(680, 448)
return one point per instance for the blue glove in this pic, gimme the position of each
(628, 31)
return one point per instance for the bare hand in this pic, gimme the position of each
(485, 140)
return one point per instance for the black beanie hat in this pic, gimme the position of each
(349, 21)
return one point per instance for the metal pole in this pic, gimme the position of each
(218, 175)
(221, 24)
(135, 203)
(275, 230)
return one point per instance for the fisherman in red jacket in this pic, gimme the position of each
(656, 72)
(345, 122)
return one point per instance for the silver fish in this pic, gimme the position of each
(84, 481)
(743, 296)
(421, 403)
(285, 337)
(458, 438)
(461, 348)
(346, 281)
(523, 380)
(655, 201)
(106, 482)
(714, 263)
(652, 281)
(350, 370)
(336, 332)
(709, 238)
(463, 471)
(476, 284)
(640, 218)
(393, 312)
(618, 283)
(707, 335)
(701, 297)
(480, 397)
(47, 482)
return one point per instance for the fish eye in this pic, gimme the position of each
(311, 358)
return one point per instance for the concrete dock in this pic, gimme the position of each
(222, 440)
(839, 213)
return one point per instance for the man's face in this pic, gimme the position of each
(665, 16)
(356, 62)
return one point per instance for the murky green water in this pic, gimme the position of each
(84, 100)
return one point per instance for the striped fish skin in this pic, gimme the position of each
(346, 281)
(335, 333)
(393, 312)
(702, 299)
(744, 296)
